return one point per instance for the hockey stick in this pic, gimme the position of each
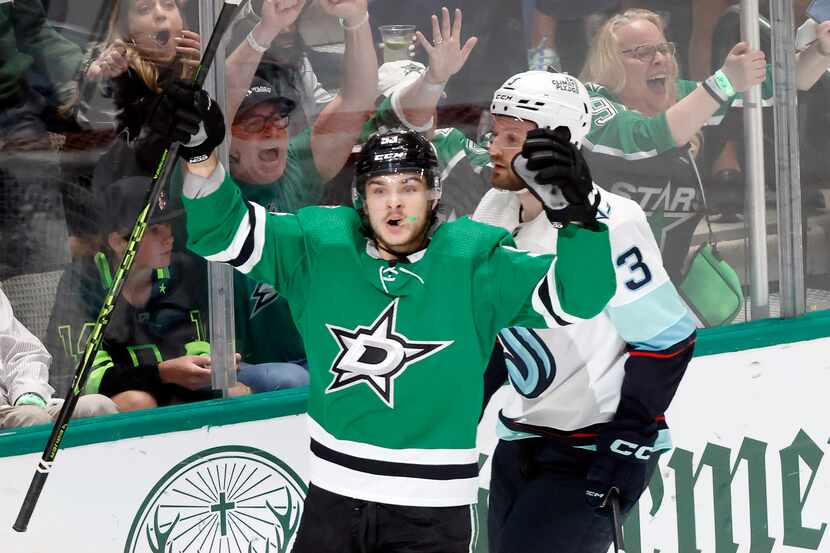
(616, 523)
(162, 174)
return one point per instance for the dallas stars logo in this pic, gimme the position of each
(376, 355)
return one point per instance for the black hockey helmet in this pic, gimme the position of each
(395, 152)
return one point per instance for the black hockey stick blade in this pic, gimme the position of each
(616, 522)
(162, 174)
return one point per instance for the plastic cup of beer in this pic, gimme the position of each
(396, 41)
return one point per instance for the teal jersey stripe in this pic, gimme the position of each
(662, 443)
(668, 321)
(504, 433)
(675, 334)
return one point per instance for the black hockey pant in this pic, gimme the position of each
(537, 500)
(333, 523)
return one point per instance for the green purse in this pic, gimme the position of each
(710, 286)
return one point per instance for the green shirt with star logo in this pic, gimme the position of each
(635, 156)
(265, 332)
(397, 350)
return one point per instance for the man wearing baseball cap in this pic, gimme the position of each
(154, 351)
(283, 172)
(281, 175)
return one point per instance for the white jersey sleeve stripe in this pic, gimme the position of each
(546, 302)
(259, 239)
(235, 247)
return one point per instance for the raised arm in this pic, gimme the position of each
(337, 129)
(815, 60)
(416, 103)
(649, 315)
(744, 67)
(224, 228)
(241, 65)
(580, 279)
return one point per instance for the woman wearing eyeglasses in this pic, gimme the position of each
(646, 121)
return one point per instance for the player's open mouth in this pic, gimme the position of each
(270, 155)
(395, 221)
(657, 83)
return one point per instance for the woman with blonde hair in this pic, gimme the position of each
(646, 120)
(147, 45)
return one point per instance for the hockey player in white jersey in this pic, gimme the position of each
(585, 414)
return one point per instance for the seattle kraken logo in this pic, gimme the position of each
(376, 355)
(530, 365)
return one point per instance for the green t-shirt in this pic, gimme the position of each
(265, 331)
(628, 134)
(397, 350)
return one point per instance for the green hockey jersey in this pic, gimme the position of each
(397, 350)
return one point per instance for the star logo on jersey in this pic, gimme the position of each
(666, 207)
(662, 223)
(376, 355)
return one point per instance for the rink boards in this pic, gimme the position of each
(748, 473)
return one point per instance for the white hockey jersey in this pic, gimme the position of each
(568, 379)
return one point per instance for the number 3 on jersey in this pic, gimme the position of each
(641, 274)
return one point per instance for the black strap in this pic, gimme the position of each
(702, 197)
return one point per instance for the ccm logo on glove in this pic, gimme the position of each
(627, 449)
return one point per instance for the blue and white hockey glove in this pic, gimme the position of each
(621, 464)
(555, 172)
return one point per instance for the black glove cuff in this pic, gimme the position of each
(627, 444)
(213, 122)
(574, 213)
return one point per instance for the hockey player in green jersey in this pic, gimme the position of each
(399, 314)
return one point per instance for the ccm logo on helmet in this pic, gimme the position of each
(627, 449)
(392, 156)
(504, 97)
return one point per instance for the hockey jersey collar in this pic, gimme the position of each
(394, 278)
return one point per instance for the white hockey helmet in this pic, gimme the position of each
(548, 99)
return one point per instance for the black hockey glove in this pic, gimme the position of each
(621, 464)
(187, 114)
(555, 172)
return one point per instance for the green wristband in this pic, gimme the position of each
(31, 398)
(724, 84)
